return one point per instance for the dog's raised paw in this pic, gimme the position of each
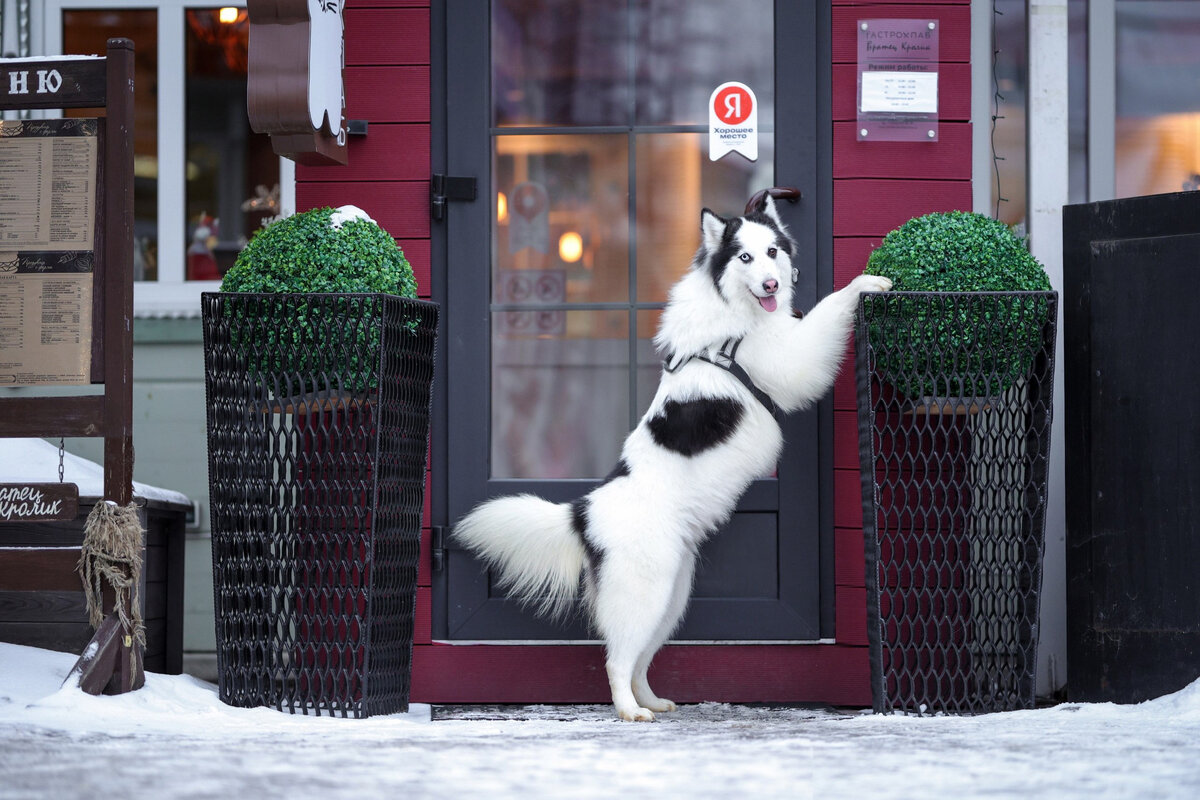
(872, 283)
(636, 714)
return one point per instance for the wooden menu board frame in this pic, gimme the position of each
(104, 83)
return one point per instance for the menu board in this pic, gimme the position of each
(47, 250)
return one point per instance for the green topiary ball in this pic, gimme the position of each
(322, 250)
(299, 345)
(957, 251)
(951, 344)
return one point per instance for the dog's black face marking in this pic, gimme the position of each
(579, 523)
(782, 240)
(725, 252)
(694, 426)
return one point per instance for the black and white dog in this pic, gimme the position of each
(734, 357)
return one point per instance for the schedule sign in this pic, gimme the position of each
(897, 80)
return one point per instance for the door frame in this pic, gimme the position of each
(803, 45)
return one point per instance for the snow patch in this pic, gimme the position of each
(344, 214)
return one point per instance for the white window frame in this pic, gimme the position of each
(170, 295)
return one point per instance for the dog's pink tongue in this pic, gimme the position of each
(769, 303)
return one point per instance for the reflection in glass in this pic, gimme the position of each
(560, 63)
(1158, 97)
(232, 173)
(676, 165)
(554, 185)
(87, 33)
(560, 392)
(684, 50)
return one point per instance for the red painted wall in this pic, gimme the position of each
(877, 186)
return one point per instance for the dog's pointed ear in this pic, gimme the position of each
(713, 228)
(767, 207)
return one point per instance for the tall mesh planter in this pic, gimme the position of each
(954, 411)
(318, 431)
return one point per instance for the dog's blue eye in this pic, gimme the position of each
(771, 251)
(746, 258)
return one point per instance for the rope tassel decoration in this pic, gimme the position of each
(112, 554)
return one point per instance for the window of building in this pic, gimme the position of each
(1133, 101)
(203, 181)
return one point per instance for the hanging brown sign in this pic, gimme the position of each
(38, 502)
(294, 89)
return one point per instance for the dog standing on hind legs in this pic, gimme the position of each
(734, 358)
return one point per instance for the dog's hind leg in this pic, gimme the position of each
(629, 611)
(681, 591)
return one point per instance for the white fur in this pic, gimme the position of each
(649, 524)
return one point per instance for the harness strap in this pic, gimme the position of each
(726, 360)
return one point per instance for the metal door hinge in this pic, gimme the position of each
(437, 548)
(449, 187)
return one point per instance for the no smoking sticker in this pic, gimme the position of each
(732, 121)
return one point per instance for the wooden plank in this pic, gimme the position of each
(74, 83)
(850, 254)
(386, 35)
(873, 207)
(81, 415)
(849, 563)
(847, 499)
(389, 152)
(845, 439)
(954, 92)
(954, 20)
(851, 615)
(423, 620)
(38, 502)
(60, 637)
(400, 207)
(685, 673)
(949, 158)
(43, 607)
(39, 569)
(387, 94)
(417, 251)
(118, 274)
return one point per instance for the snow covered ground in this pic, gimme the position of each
(175, 739)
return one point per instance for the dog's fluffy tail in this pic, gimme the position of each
(532, 543)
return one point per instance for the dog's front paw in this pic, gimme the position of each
(660, 704)
(636, 714)
(871, 283)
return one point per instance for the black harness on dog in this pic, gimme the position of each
(726, 360)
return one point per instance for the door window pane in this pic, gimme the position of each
(556, 63)
(560, 392)
(87, 33)
(562, 207)
(602, 210)
(1158, 97)
(684, 50)
(232, 172)
(671, 166)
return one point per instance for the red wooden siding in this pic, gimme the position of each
(877, 186)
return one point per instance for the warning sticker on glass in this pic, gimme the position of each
(732, 121)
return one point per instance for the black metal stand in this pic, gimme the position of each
(955, 394)
(318, 425)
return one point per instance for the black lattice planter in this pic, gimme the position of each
(318, 433)
(954, 411)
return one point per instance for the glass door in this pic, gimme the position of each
(586, 126)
